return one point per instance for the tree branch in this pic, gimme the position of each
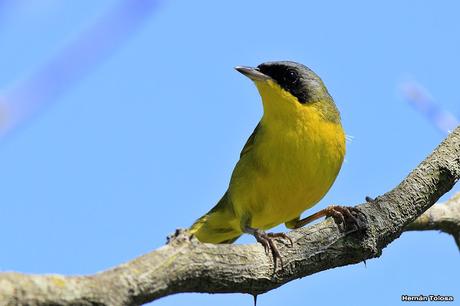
(443, 217)
(186, 265)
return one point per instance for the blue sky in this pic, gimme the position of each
(144, 140)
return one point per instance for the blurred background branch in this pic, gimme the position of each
(420, 99)
(72, 63)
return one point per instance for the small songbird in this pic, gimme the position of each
(288, 163)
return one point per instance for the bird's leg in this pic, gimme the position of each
(347, 218)
(267, 240)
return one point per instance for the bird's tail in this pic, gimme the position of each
(216, 225)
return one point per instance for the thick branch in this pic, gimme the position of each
(443, 217)
(190, 266)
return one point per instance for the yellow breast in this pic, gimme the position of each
(291, 166)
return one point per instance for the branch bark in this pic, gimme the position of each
(442, 217)
(186, 265)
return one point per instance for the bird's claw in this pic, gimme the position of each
(349, 219)
(282, 236)
(267, 241)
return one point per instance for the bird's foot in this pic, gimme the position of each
(282, 236)
(349, 219)
(268, 242)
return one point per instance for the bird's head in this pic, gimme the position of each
(289, 89)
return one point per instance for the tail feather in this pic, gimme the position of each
(216, 225)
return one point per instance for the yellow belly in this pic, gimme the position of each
(286, 172)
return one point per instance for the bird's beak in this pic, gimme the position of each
(252, 73)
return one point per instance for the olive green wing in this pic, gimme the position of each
(250, 142)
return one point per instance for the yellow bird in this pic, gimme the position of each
(288, 163)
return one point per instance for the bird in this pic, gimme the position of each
(287, 165)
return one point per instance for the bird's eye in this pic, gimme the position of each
(291, 77)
